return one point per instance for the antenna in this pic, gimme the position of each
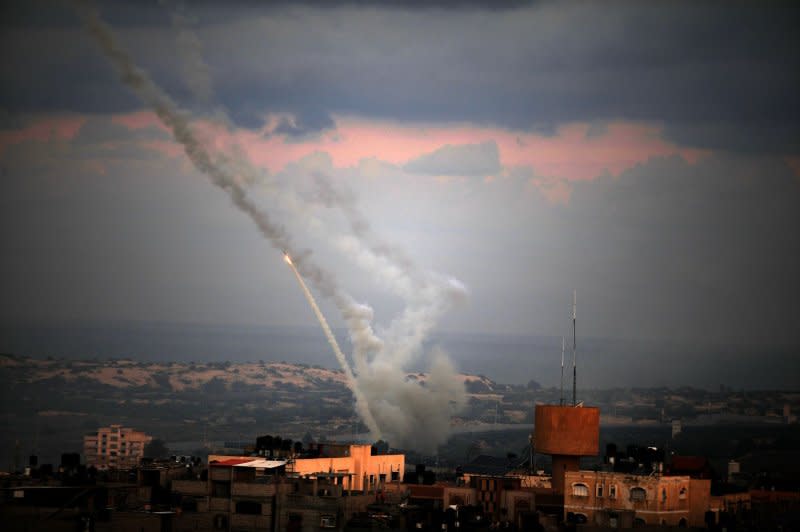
(574, 346)
(561, 401)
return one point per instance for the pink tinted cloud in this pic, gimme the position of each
(570, 154)
(43, 130)
(138, 120)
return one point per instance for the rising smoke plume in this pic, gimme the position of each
(407, 412)
(169, 114)
(361, 402)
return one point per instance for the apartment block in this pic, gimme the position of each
(114, 447)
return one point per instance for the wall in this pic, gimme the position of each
(360, 464)
(668, 499)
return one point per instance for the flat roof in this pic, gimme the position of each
(250, 462)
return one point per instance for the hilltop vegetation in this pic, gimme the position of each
(49, 404)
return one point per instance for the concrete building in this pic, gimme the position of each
(358, 468)
(254, 493)
(114, 447)
(614, 499)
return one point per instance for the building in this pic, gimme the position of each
(296, 493)
(609, 498)
(359, 469)
(114, 447)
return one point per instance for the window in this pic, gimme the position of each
(638, 494)
(189, 504)
(220, 489)
(327, 521)
(612, 491)
(220, 522)
(580, 490)
(599, 491)
(248, 507)
(395, 476)
(682, 493)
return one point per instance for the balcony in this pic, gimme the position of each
(252, 489)
(307, 502)
(251, 522)
(217, 504)
(190, 487)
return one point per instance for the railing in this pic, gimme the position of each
(305, 502)
(218, 504)
(251, 522)
(252, 489)
(190, 487)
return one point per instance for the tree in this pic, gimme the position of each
(533, 385)
(157, 448)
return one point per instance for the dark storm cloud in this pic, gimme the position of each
(10, 121)
(705, 252)
(462, 160)
(717, 75)
(306, 122)
(98, 130)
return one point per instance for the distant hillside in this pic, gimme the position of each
(602, 363)
(186, 376)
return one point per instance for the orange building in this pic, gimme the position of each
(114, 447)
(354, 465)
(355, 462)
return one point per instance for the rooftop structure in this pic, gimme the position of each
(566, 433)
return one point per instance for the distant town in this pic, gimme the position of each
(277, 446)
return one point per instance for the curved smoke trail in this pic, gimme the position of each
(413, 413)
(167, 111)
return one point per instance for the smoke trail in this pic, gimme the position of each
(167, 111)
(361, 403)
(413, 413)
(194, 69)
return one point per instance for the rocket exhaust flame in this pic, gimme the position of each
(361, 402)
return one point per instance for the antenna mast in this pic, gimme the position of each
(561, 400)
(574, 345)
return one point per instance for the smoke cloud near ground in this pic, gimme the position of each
(408, 412)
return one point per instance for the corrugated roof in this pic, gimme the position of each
(250, 462)
(231, 461)
(262, 463)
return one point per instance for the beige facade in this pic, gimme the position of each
(602, 497)
(303, 494)
(359, 468)
(114, 447)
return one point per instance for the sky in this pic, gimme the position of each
(467, 164)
